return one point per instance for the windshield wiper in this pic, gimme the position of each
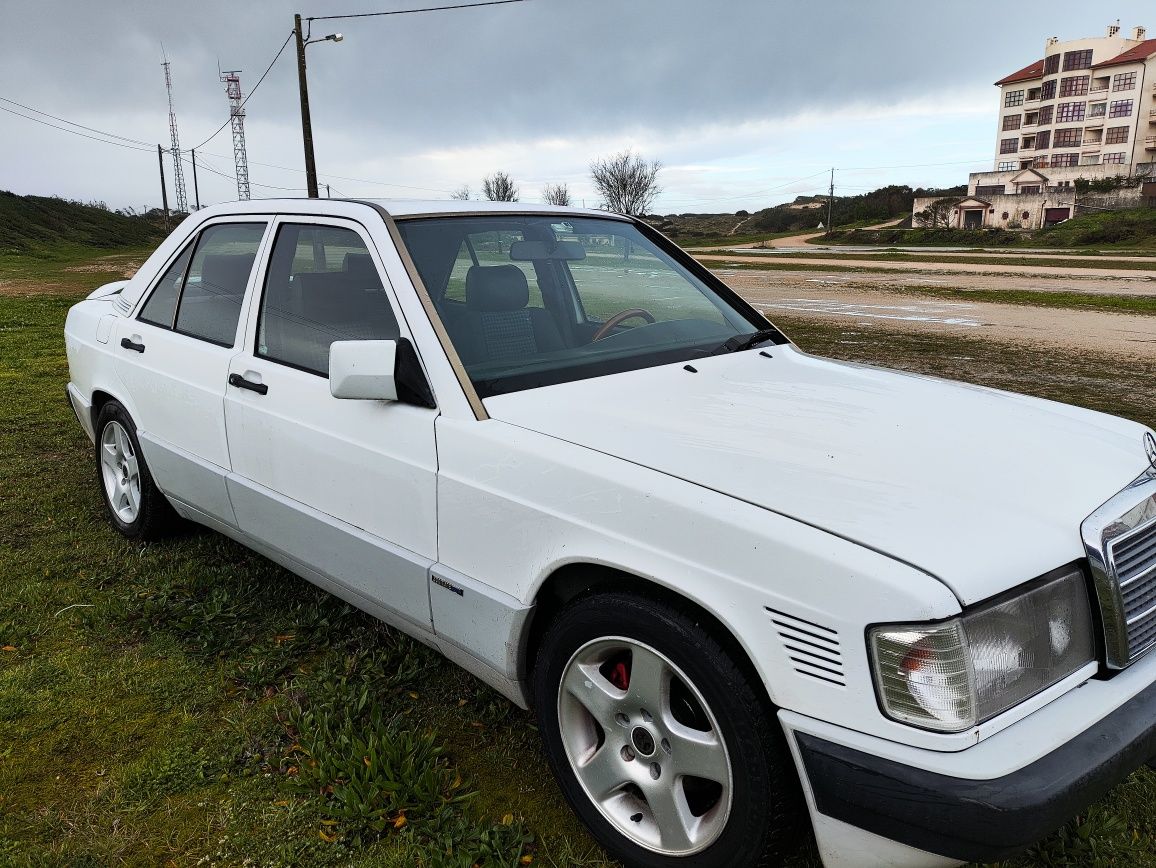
(744, 342)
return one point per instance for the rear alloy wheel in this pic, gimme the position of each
(659, 741)
(136, 507)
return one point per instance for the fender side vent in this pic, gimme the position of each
(812, 648)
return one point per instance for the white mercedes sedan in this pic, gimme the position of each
(742, 587)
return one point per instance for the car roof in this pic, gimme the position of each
(395, 207)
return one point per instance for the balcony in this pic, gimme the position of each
(1150, 143)
(1152, 116)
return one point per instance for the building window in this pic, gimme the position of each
(1043, 139)
(989, 190)
(1063, 161)
(1077, 59)
(1048, 91)
(1005, 167)
(1116, 136)
(1009, 146)
(1070, 111)
(1011, 122)
(1013, 98)
(1098, 110)
(1124, 81)
(1028, 143)
(1046, 115)
(1069, 138)
(1114, 158)
(1033, 94)
(1121, 108)
(1028, 189)
(1052, 65)
(1076, 85)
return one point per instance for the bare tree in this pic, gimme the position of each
(937, 215)
(627, 183)
(556, 194)
(462, 193)
(499, 187)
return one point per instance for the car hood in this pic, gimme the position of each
(981, 488)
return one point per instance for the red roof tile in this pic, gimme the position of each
(1035, 70)
(1132, 55)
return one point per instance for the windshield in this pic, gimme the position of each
(529, 301)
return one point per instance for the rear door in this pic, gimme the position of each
(173, 359)
(346, 488)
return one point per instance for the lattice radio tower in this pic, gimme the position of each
(178, 172)
(232, 81)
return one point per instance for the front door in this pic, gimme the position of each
(173, 358)
(973, 219)
(346, 488)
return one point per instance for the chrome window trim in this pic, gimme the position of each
(1125, 512)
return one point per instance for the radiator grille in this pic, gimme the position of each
(1133, 559)
(812, 648)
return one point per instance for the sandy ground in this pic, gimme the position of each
(798, 295)
(932, 267)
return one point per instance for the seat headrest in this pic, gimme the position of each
(226, 273)
(360, 266)
(496, 288)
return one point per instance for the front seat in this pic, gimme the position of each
(496, 323)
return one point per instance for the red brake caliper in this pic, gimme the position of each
(619, 675)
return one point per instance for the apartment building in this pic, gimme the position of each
(1087, 102)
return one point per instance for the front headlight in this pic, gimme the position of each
(955, 674)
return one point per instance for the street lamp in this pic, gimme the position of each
(306, 123)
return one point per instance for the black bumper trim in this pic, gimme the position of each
(981, 820)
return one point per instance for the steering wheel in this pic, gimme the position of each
(621, 317)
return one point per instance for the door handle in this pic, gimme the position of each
(130, 344)
(241, 383)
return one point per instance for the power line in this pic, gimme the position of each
(204, 165)
(411, 11)
(342, 177)
(251, 92)
(74, 132)
(149, 145)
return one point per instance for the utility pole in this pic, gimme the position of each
(196, 189)
(831, 203)
(306, 123)
(328, 195)
(164, 191)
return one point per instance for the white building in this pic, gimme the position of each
(1086, 111)
(1088, 102)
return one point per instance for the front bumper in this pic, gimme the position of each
(981, 819)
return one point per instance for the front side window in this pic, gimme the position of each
(1117, 158)
(1121, 108)
(533, 300)
(1013, 98)
(214, 289)
(1076, 85)
(1070, 111)
(1009, 146)
(1043, 139)
(1064, 161)
(1046, 115)
(1116, 136)
(1011, 122)
(322, 286)
(1052, 65)
(1070, 138)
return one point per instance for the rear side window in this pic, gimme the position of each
(322, 286)
(162, 304)
(210, 303)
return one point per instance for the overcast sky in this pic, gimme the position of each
(746, 102)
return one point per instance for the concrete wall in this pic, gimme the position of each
(1035, 206)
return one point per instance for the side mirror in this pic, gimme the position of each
(363, 370)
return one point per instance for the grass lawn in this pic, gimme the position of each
(190, 703)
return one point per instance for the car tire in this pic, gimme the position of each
(135, 506)
(661, 698)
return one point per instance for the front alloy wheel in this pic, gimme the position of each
(645, 746)
(662, 742)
